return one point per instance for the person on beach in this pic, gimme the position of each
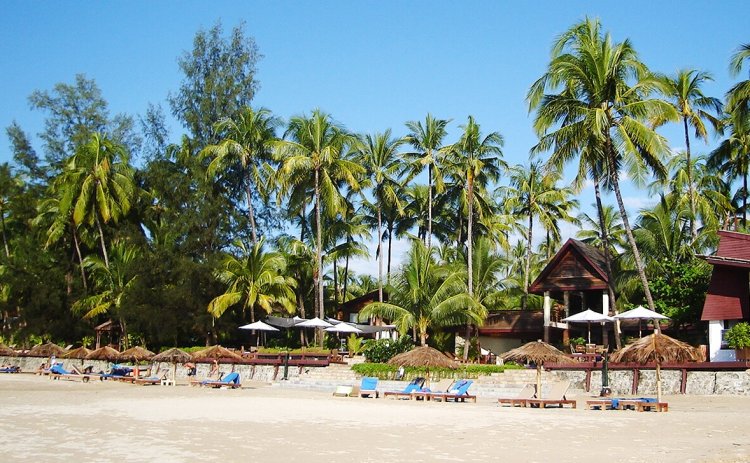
(191, 369)
(214, 373)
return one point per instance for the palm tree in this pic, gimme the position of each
(255, 280)
(113, 282)
(424, 296)
(600, 112)
(316, 147)
(533, 193)
(379, 153)
(732, 156)
(427, 139)
(97, 183)
(247, 146)
(477, 157)
(738, 97)
(686, 96)
(591, 231)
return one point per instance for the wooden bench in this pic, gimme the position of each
(598, 404)
(642, 406)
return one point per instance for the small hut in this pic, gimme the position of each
(538, 353)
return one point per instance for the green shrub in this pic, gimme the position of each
(385, 371)
(578, 341)
(354, 344)
(738, 336)
(382, 350)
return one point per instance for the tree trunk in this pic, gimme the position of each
(390, 241)
(525, 297)
(5, 238)
(422, 338)
(318, 273)
(607, 259)
(429, 207)
(124, 334)
(346, 274)
(250, 210)
(301, 308)
(691, 190)
(744, 198)
(80, 260)
(469, 252)
(631, 241)
(101, 240)
(335, 285)
(380, 255)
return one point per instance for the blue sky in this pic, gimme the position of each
(372, 64)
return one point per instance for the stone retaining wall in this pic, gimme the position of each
(698, 382)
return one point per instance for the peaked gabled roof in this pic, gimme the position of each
(733, 251)
(576, 266)
(728, 296)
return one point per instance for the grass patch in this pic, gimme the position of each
(386, 372)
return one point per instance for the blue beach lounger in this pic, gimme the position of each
(459, 393)
(368, 387)
(407, 393)
(231, 380)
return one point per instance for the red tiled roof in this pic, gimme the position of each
(728, 297)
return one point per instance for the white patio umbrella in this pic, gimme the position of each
(641, 313)
(313, 323)
(258, 326)
(588, 316)
(343, 328)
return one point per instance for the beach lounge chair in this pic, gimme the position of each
(639, 404)
(344, 391)
(118, 373)
(58, 372)
(459, 392)
(527, 392)
(368, 387)
(231, 380)
(11, 369)
(414, 386)
(556, 396)
(152, 380)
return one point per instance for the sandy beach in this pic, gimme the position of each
(44, 420)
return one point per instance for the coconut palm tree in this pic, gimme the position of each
(684, 93)
(738, 97)
(732, 156)
(379, 153)
(97, 185)
(592, 234)
(316, 147)
(255, 280)
(600, 111)
(425, 296)
(113, 282)
(427, 139)
(246, 145)
(533, 193)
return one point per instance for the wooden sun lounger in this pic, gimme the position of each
(642, 406)
(456, 395)
(527, 392)
(556, 397)
(152, 380)
(599, 404)
(76, 375)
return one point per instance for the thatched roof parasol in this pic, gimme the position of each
(136, 354)
(538, 353)
(6, 351)
(104, 353)
(423, 357)
(216, 353)
(658, 348)
(173, 355)
(79, 353)
(46, 350)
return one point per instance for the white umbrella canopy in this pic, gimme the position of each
(588, 316)
(343, 328)
(313, 323)
(641, 313)
(259, 325)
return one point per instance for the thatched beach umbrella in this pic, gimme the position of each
(7, 351)
(216, 353)
(104, 353)
(175, 356)
(136, 354)
(46, 350)
(79, 353)
(658, 348)
(537, 353)
(424, 356)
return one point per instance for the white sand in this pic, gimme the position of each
(44, 420)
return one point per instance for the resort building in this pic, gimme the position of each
(728, 298)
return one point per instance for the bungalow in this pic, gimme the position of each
(728, 298)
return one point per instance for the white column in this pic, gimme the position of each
(605, 302)
(547, 315)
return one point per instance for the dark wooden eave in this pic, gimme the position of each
(576, 267)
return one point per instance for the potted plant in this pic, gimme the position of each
(738, 338)
(575, 342)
